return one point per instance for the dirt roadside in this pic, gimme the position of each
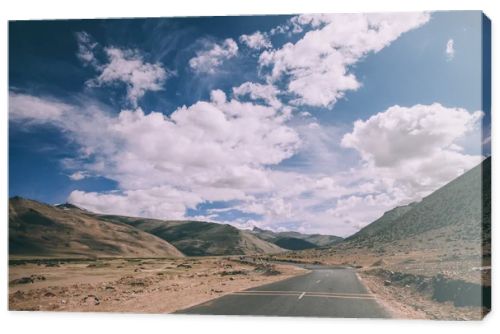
(134, 285)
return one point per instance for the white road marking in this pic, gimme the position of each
(303, 294)
(316, 293)
(318, 281)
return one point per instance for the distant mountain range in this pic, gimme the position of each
(197, 238)
(65, 230)
(460, 210)
(296, 241)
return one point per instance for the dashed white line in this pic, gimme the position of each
(302, 295)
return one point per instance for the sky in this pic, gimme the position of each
(317, 123)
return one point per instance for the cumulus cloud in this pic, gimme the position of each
(318, 66)
(219, 150)
(231, 151)
(129, 67)
(160, 202)
(450, 50)
(121, 66)
(266, 92)
(415, 148)
(208, 60)
(256, 41)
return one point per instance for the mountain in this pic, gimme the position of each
(460, 209)
(296, 241)
(69, 206)
(382, 224)
(196, 238)
(38, 229)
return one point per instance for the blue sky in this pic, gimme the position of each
(317, 123)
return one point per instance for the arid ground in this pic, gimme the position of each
(132, 285)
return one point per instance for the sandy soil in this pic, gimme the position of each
(133, 285)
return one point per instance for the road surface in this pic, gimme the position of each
(324, 292)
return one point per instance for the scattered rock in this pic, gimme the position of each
(49, 294)
(27, 280)
(137, 282)
(18, 294)
(378, 263)
(387, 283)
(91, 300)
(408, 261)
(184, 265)
(233, 272)
(52, 265)
(22, 280)
(267, 270)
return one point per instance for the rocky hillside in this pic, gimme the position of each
(295, 240)
(41, 230)
(462, 206)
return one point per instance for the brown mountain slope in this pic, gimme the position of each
(295, 240)
(196, 238)
(446, 233)
(462, 206)
(37, 229)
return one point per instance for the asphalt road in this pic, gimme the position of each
(324, 292)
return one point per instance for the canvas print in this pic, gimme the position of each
(313, 165)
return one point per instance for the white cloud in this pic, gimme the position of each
(281, 29)
(78, 175)
(256, 41)
(208, 60)
(415, 149)
(256, 91)
(160, 202)
(356, 211)
(129, 67)
(450, 50)
(318, 66)
(86, 49)
(228, 150)
(34, 109)
(211, 151)
(116, 65)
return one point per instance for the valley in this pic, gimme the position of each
(427, 260)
